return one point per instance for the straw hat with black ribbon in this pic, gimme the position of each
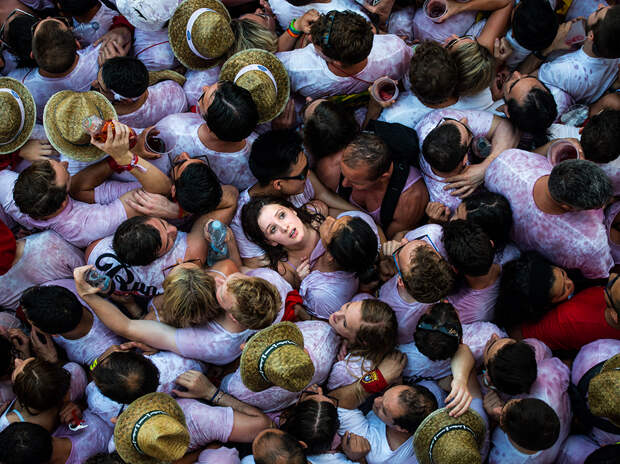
(263, 75)
(62, 120)
(147, 15)
(151, 430)
(17, 115)
(200, 33)
(604, 391)
(276, 356)
(441, 439)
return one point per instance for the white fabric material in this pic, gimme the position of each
(285, 12)
(256, 67)
(188, 31)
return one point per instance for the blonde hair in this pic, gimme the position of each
(250, 34)
(189, 297)
(257, 302)
(476, 67)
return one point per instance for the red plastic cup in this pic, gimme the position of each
(384, 89)
(159, 142)
(435, 9)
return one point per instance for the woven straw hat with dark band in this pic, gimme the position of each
(604, 391)
(211, 34)
(62, 120)
(276, 356)
(256, 70)
(441, 439)
(151, 430)
(12, 94)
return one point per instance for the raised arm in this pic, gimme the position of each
(460, 397)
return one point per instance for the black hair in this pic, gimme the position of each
(534, 24)
(535, 115)
(524, 290)
(52, 308)
(6, 356)
(442, 148)
(531, 423)
(354, 246)
(492, 212)
(604, 455)
(432, 343)
(433, 73)
(580, 184)
(600, 138)
(313, 422)
(468, 247)
(232, 115)
(418, 402)
(198, 190)
(105, 458)
(125, 376)
(606, 43)
(76, 7)
(273, 154)
(25, 443)
(125, 75)
(329, 129)
(513, 369)
(135, 242)
(19, 38)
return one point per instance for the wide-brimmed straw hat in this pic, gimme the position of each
(17, 115)
(200, 33)
(276, 356)
(441, 439)
(264, 76)
(151, 430)
(62, 120)
(147, 15)
(604, 391)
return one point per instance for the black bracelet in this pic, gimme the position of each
(538, 54)
(213, 397)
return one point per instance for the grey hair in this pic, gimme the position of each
(580, 184)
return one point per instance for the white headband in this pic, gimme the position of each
(16, 96)
(118, 97)
(188, 30)
(256, 67)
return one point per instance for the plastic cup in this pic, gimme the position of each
(160, 142)
(576, 34)
(562, 150)
(384, 89)
(435, 9)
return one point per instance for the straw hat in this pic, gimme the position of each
(200, 33)
(151, 430)
(276, 356)
(147, 15)
(62, 120)
(18, 115)
(603, 391)
(264, 76)
(441, 439)
(166, 75)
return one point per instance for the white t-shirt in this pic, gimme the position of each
(286, 12)
(311, 77)
(97, 27)
(327, 458)
(166, 97)
(196, 80)
(153, 49)
(583, 8)
(583, 77)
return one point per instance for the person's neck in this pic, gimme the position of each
(543, 199)
(61, 450)
(62, 74)
(311, 238)
(520, 448)
(587, 49)
(228, 324)
(346, 71)
(258, 190)
(449, 102)
(445, 175)
(83, 327)
(128, 106)
(89, 15)
(395, 438)
(19, 251)
(485, 281)
(47, 418)
(609, 319)
(210, 140)
(60, 210)
(404, 294)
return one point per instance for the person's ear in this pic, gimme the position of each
(400, 282)
(79, 47)
(590, 36)
(277, 184)
(173, 192)
(242, 346)
(303, 444)
(566, 207)
(31, 56)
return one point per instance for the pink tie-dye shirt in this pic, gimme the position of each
(475, 305)
(206, 423)
(196, 80)
(166, 97)
(610, 215)
(425, 29)
(85, 442)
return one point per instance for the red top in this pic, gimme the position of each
(7, 248)
(574, 323)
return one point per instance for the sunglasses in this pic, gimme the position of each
(424, 237)
(196, 261)
(310, 393)
(302, 176)
(13, 13)
(443, 121)
(454, 41)
(607, 290)
(62, 19)
(178, 161)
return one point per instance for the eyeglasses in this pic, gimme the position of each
(302, 176)
(607, 290)
(442, 121)
(15, 12)
(310, 393)
(62, 19)
(424, 237)
(325, 39)
(196, 261)
(454, 41)
(178, 161)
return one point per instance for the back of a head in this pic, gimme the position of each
(535, 115)
(232, 115)
(6, 356)
(189, 298)
(54, 47)
(19, 38)
(606, 43)
(431, 278)
(600, 138)
(250, 34)
(343, 36)
(492, 212)
(125, 376)
(531, 423)
(524, 291)
(417, 402)
(258, 302)
(105, 458)
(442, 148)
(273, 154)
(439, 332)
(135, 242)
(604, 455)
(52, 308)
(315, 423)
(329, 129)
(25, 443)
(41, 385)
(469, 249)
(273, 447)
(513, 369)
(433, 73)
(476, 67)
(378, 332)
(35, 192)
(580, 184)
(125, 75)
(76, 7)
(534, 24)
(198, 190)
(368, 150)
(354, 246)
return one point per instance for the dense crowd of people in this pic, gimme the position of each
(291, 232)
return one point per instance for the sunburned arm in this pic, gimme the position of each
(331, 199)
(410, 209)
(495, 27)
(503, 136)
(83, 183)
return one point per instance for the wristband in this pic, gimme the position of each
(292, 298)
(292, 27)
(93, 364)
(538, 54)
(373, 381)
(216, 393)
(118, 168)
